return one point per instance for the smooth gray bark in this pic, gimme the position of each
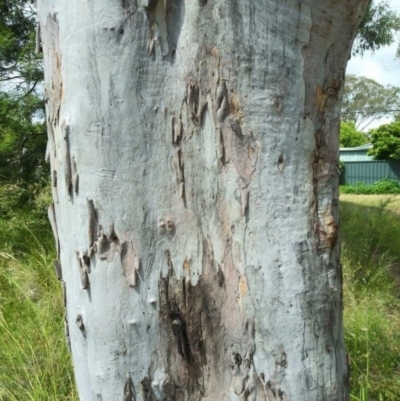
(194, 157)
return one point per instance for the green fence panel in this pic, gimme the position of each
(369, 172)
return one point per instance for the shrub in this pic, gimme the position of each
(385, 186)
(349, 136)
(386, 142)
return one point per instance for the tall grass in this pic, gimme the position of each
(34, 362)
(371, 264)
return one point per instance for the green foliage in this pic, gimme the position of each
(365, 100)
(350, 137)
(18, 60)
(22, 138)
(34, 362)
(22, 132)
(377, 28)
(371, 262)
(386, 142)
(385, 186)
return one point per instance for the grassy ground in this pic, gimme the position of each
(34, 362)
(392, 201)
(370, 233)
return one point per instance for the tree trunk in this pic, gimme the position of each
(194, 158)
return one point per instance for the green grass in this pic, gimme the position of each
(34, 362)
(370, 257)
(392, 202)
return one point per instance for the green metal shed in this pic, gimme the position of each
(358, 154)
(359, 167)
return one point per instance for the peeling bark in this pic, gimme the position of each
(199, 241)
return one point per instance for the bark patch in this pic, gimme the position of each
(166, 19)
(53, 91)
(211, 342)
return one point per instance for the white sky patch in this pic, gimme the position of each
(381, 66)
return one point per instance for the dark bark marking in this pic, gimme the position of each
(169, 389)
(107, 244)
(103, 242)
(67, 157)
(165, 21)
(180, 333)
(222, 100)
(244, 200)
(280, 163)
(93, 222)
(74, 176)
(52, 218)
(38, 47)
(281, 361)
(128, 392)
(220, 277)
(66, 334)
(273, 393)
(147, 391)
(84, 268)
(166, 225)
(54, 181)
(57, 269)
(79, 323)
(193, 97)
(54, 190)
(64, 294)
(278, 103)
(176, 130)
(204, 327)
(180, 166)
(129, 6)
(176, 138)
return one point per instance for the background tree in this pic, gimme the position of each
(365, 100)
(18, 63)
(377, 29)
(22, 131)
(386, 142)
(349, 136)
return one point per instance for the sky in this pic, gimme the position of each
(381, 66)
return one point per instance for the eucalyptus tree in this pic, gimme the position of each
(194, 157)
(378, 27)
(365, 101)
